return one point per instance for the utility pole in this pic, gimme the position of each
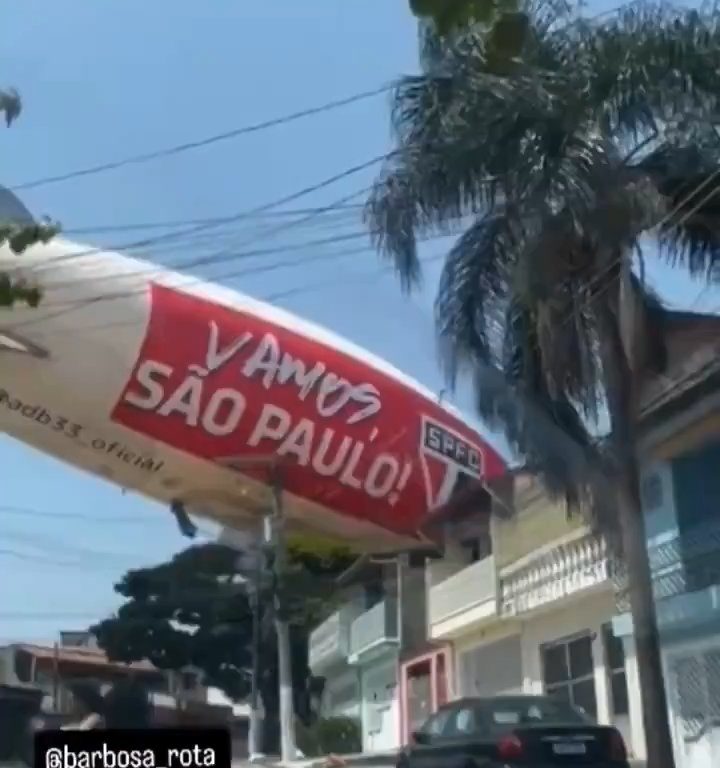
(282, 627)
(255, 729)
(274, 540)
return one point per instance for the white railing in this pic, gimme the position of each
(329, 641)
(466, 589)
(374, 627)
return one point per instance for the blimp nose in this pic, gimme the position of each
(12, 209)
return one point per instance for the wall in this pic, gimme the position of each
(536, 522)
(341, 696)
(480, 638)
(491, 669)
(380, 704)
(413, 608)
(454, 559)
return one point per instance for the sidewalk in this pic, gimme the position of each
(362, 760)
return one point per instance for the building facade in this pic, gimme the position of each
(532, 612)
(356, 651)
(681, 496)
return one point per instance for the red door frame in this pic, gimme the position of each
(405, 667)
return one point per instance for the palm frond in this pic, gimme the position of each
(687, 177)
(474, 285)
(650, 62)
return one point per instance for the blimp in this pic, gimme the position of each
(191, 393)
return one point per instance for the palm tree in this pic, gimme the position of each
(560, 163)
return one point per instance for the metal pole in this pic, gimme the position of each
(282, 629)
(255, 742)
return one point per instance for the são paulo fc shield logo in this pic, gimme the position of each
(449, 462)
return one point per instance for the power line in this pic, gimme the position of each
(219, 257)
(233, 133)
(197, 144)
(7, 552)
(244, 272)
(38, 541)
(172, 223)
(113, 520)
(239, 216)
(32, 512)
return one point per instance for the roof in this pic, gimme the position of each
(693, 357)
(84, 656)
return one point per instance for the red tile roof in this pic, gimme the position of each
(84, 656)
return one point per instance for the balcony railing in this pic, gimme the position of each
(687, 562)
(469, 588)
(330, 641)
(374, 629)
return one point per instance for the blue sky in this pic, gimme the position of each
(102, 81)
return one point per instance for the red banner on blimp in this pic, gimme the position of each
(222, 384)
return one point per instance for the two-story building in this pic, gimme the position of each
(525, 597)
(680, 448)
(356, 650)
(556, 586)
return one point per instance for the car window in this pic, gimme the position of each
(508, 713)
(463, 723)
(436, 724)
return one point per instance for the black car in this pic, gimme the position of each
(536, 731)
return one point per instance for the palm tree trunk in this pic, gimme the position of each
(621, 389)
(653, 695)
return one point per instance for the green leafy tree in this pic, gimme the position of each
(505, 24)
(594, 148)
(20, 235)
(448, 16)
(195, 610)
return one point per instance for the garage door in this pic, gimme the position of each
(491, 669)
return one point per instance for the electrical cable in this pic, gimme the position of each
(244, 272)
(605, 271)
(191, 145)
(249, 129)
(244, 214)
(171, 223)
(56, 563)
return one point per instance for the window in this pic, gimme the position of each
(435, 726)
(568, 672)
(463, 722)
(615, 666)
(516, 712)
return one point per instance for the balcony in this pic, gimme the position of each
(466, 598)
(330, 641)
(374, 632)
